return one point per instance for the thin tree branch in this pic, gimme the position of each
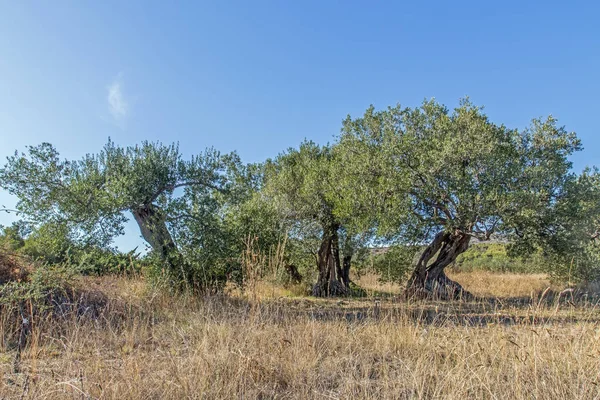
(170, 188)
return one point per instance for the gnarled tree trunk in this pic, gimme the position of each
(429, 280)
(331, 281)
(154, 230)
(346, 262)
(348, 252)
(294, 274)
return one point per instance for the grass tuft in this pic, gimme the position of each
(143, 343)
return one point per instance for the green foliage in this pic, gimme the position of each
(12, 237)
(89, 197)
(256, 220)
(566, 233)
(53, 244)
(97, 261)
(431, 175)
(303, 187)
(43, 284)
(51, 190)
(394, 264)
(495, 258)
(428, 169)
(50, 243)
(152, 172)
(299, 183)
(211, 229)
(401, 175)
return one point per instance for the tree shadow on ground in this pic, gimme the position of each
(549, 308)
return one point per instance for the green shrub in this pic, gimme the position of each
(43, 283)
(53, 244)
(581, 266)
(97, 261)
(396, 263)
(50, 243)
(494, 257)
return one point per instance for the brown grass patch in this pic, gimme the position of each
(494, 284)
(153, 345)
(480, 283)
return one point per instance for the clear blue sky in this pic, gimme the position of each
(258, 77)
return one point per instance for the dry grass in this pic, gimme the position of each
(491, 284)
(151, 345)
(372, 286)
(480, 283)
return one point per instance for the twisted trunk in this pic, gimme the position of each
(295, 276)
(429, 280)
(331, 281)
(153, 228)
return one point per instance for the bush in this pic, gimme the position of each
(50, 243)
(578, 267)
(38, 287)
(395, 263)
(495, 258)
(97, 261)
(53, 244)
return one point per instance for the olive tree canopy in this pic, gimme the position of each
(302, 183)
(92, 194)
(441, 177)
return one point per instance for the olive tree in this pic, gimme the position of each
(301, 182)
(440, 178)
(92, 195)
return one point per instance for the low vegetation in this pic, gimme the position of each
(142, 343)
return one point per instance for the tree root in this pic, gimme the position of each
(441, 288)
(330, 289)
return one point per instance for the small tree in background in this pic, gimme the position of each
(567, 234)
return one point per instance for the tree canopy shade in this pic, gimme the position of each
(443, 177)
(92, 194)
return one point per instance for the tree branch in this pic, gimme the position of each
(170, 188)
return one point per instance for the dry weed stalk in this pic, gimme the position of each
(256, 265)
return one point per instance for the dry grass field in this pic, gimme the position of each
(129, 341)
